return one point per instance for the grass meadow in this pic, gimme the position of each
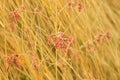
(59, 40)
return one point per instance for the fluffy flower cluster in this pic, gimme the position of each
(61, 41)
(11, 59)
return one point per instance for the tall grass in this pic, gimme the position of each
(59, 40)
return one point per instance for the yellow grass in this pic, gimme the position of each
(28, 40)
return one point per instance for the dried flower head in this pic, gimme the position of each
(17, 61)
(36, 10)
(61, 41)
(108, 34)
(101, 37)
(14, 15)
(11, 59)
(74, 4)
(79, 7)
(23, 7)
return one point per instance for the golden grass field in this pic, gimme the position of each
(59, 40)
